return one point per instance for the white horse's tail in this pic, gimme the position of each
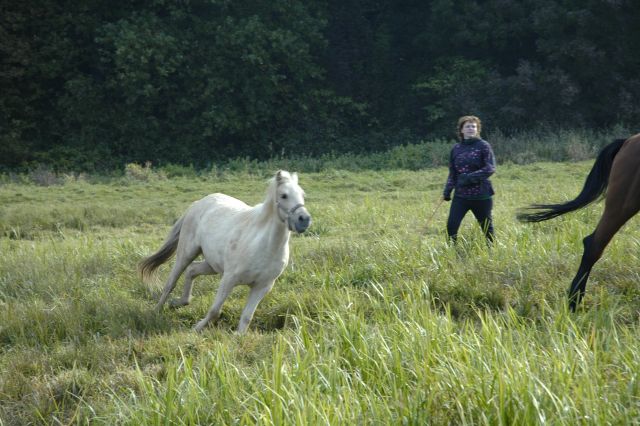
(148, 265)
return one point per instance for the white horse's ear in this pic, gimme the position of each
(294, 177)
(279, 176)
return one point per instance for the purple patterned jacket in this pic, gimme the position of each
(470, 164)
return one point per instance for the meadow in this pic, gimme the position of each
(376, 320)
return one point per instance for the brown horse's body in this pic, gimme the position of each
(616, 170)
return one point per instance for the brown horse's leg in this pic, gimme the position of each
(594, 245)
(621, 203)
(579, 283)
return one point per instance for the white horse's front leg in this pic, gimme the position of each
(226, 285)
(256, 294)
(194, 270)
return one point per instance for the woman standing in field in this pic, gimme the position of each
(471, 162)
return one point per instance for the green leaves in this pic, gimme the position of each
(204, 81)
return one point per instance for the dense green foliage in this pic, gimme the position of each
(376, 320)
(96, 84)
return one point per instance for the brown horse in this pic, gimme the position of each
(618, 168)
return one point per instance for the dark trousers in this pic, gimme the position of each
(481, 209)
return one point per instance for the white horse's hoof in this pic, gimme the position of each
(199, 326)
(177, 303)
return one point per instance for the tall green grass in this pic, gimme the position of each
(376, 320)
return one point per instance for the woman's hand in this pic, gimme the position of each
(465, 180)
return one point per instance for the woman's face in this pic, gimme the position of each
(469, 129)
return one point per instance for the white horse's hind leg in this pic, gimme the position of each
(194, 270)
(182, 261)
(226, 285)
(256, 294)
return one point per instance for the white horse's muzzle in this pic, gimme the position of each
(298, 218)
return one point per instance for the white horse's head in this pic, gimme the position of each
(290, 201)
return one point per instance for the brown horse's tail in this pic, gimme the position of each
(594, 186)
(151, 263)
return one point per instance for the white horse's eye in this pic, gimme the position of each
(283, 196)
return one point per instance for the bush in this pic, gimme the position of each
(43, 176)
(136, 172)
(175, 170)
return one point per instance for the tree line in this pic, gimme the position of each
(94, 84)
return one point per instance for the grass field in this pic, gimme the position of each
(376, 320)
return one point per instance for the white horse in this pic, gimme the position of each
(247, 245)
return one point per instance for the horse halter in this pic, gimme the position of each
(289, 212)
